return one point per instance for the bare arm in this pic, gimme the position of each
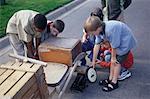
(38, 41)
(30, 52)
(84, 37)
(95, 53)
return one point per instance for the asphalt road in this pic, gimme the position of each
(137, 17)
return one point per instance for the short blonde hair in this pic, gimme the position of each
(92, 23)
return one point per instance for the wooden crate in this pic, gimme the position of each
(22, 81)
(59, 50)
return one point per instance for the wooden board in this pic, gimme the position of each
(10, 63)
(60, 50)
(60, 43)
(22, 80)
(54, 73)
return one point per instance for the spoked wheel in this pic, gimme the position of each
(91, 74)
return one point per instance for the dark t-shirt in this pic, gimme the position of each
(46, 33)
(114, 8)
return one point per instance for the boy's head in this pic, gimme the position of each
(57, 27)
(97, 12)
(40, 22)
(93, 25)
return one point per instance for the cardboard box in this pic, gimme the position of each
(22, 81)
(59, 50)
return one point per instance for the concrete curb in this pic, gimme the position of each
(4, 42)
(58, 12)
(50, 16)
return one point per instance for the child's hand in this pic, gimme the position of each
(93, 64)
(114, 62)
(98, 61)
(84, 39)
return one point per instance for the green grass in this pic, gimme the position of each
(42, 6)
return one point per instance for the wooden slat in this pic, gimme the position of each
(52, 91)
(7, 73)
(40, 81)
(35, 67)
(5, 86)
(37, 95)
(20, 84)
(24, 67)
(5, 76)
(24, 84)
(10, 63)
(7, 64)
(25, 87)
(5, 97)
(16, 64)
(17, 75)
(45, 91)
(2, 71)
(31, 92)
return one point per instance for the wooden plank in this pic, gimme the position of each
(44, 88)
(35, 67)
(25, 87)
(5, 97)
(25, 67)
(37, 95)
(16, 64)
(7, 73)
(2, 71)
(18, 69)
(39, 80)
(20, 84)
(31, 92)
(45, 91)
(10, 81)
(7, 64)
(10, 63)
(52, 91)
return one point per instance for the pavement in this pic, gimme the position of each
(138, 85)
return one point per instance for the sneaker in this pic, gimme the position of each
(124, 75)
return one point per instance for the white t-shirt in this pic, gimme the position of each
(21, 23)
